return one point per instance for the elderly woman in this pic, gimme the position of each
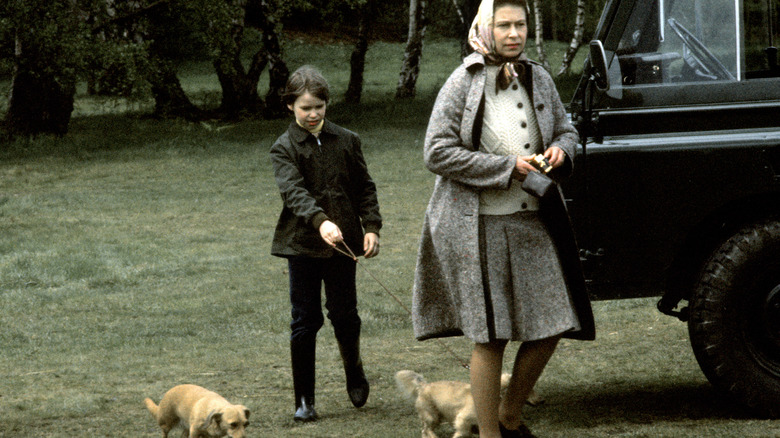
(495, 263)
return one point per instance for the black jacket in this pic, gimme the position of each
(322, 180)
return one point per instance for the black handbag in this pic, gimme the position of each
(538, 184)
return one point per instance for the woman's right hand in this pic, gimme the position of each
(523, 167)
(330, 233)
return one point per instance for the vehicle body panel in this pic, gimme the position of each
(670, 150)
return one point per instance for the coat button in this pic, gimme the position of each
(520, 105)
(524, 124)
(514, 86)
(540, 107)
(527, 146)
(524, 205)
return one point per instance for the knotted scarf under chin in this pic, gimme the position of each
(510, 69)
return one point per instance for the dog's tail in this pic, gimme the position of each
(153, 408)
(409, 383)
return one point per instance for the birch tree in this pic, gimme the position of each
(410, 69)
(539, 34)
(576, 41)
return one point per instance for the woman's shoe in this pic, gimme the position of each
(521, 431)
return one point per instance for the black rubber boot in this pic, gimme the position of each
(357, 384)
(302, 354)
(305, 409)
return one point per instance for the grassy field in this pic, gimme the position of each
(134, 257)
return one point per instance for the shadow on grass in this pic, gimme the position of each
(636, 402)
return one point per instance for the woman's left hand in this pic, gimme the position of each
(370, 245)
(556, 156)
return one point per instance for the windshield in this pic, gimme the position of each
(678, 41)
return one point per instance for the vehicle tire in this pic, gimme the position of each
(734, 325)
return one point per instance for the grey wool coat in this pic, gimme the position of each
(448, 296)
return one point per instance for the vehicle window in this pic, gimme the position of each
(680, 41)
(761, 24)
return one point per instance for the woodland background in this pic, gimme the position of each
(133, 49)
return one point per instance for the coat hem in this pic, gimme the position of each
(446, 334)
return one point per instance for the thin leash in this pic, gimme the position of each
(354, 257)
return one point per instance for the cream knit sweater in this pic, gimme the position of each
(509, 127)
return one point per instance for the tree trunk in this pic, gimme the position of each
(239, 87)
(540, 36)
(576, 41)
(469, 11)
(410, 68)
(277, 69)
(41, 101)
(357, 61)
(169, 97)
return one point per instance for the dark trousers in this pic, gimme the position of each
(307, 275)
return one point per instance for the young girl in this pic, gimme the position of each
(329, 201)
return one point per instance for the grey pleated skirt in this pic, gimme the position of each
(525, 292)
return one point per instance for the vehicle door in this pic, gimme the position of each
(693, 106)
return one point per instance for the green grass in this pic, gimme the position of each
(134, 257)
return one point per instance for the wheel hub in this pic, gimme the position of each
(762, 333)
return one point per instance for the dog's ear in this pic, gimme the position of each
(215, 416)
(243, 409)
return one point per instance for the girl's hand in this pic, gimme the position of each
(371, 245)
(556, 156)
(330, 233)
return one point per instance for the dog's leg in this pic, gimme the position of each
(427, 432)
(165, 430)
(155, 411)
(463, 423)
(429, 417)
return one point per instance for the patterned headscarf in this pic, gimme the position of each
(482, 41)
